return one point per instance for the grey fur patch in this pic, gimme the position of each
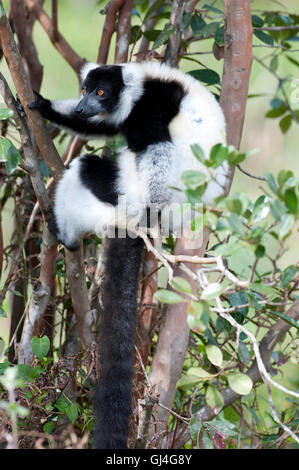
(155, 165)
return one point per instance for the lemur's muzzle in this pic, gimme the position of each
(88, 107)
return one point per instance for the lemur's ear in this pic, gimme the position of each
(87, 67)
(132, 75)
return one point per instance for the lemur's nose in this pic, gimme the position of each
(79, 109)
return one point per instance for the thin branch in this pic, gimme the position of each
(260, 178)
(55, 20)
(279, 28)
(58, 41)
(109, 27)
(123, 33)
(23, 26)
(173, 44)
(236, 70)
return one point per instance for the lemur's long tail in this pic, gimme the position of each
(113, 395)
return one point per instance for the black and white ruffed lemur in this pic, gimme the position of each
(160, 111)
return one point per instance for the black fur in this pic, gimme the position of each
(113, 395)
(72, 121)
(99, 175)
(148, 122)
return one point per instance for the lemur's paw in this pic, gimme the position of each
(39, 103)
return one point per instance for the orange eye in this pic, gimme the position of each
(100, 92)
(83, 91)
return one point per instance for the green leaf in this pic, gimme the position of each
(236, 299)
(152, 35)
(243, 354)
(287, 319)
(199, 372)
(10, 155)
(271, 182)
(164, 35)
(187, 382)
(218, 154)
(3, 313)
(28, 373)
(219, 36)
(236, 224)
(193, 178)
(65, 406)
(276, 112)
(257, 21)
(235, 157)
(283, 176)
(277, 209)
(195, 426)
(214, 355)
(285, 123)
(240, 383)
(135, 34)
(234, 205)
(157, 4)
(291, 201)
(263, 37)
(168, 297)
(288, 275)
(212, 291)
(4, 147)
(193, 195)
(214, 398)
(206, 76)
(182, 285)
(225, 427)
(197, 318)
(5, 113)
(259, 251)
(286, 224)
(40, 346)
(49, 427)
(274, 63)
(72, 412)
(197, 23)
(198, 152)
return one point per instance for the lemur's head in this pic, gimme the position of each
(109, 91)
(101, 91)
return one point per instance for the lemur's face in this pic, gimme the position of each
(101, 91)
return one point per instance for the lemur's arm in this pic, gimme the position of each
(63, 114)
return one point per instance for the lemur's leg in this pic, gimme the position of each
(62, 113)
(85, 200)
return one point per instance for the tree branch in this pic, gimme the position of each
(173, 44)
(58, 41)
(23, 24)
(109, 27)
(236, 70)
(123, 33)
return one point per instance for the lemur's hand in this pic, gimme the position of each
(40, 103)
